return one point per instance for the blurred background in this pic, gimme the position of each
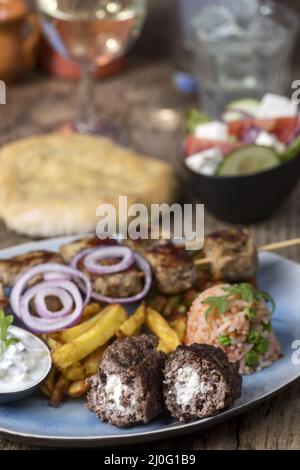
(147, 90)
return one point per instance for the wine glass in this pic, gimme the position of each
(91, 33)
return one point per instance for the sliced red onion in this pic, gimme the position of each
(47, 325)
(251, 134)
(66, 290)
(91, 258)
(47, 289)
(59, 276)
(145, 267)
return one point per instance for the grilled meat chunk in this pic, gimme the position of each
(11, 268)
(173, 268)
(199, 381)
(69, 250)
(127, 389)
(119, 285)
(233, 255)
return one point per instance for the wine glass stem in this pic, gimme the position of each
(86, 112)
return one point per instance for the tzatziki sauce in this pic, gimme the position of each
(23, 364)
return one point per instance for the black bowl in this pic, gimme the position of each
(241, 199)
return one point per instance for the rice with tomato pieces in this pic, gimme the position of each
(237, 319)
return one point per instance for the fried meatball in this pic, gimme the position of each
(199, 381)
(127, 390)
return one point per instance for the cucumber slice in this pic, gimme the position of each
(248, 160)
(247, 106)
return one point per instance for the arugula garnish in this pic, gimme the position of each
(244, 290)
(5, 322)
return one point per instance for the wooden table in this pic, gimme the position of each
(134, 100)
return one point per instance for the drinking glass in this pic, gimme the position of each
(91, 33)
(242, 50)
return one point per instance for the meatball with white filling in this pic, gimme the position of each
(127, 390)
(199, 381)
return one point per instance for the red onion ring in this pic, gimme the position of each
(50, 321)
(47, 289)
(145, 267)
(60, 276)
(91, 257)
(45, 325)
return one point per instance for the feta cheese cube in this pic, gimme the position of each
(269, 140)
(205, 162)
(214, 130)
(276, 106)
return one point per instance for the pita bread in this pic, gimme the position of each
(51, 185)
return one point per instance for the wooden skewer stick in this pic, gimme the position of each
(269, 247)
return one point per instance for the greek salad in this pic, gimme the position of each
(251, 136)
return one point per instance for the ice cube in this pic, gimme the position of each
(215, 24)
(243, 10)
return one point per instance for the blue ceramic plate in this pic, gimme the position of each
(33, 420)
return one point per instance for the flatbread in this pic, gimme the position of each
(52, 184)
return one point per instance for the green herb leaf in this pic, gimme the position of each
(219, 304)
(260, 295)
(224, 340)
(250, 313)
(253, 337)
(267, 326)
(5, 322)
(252, 358)
(262, 345)
(244, 290)
(249, 294)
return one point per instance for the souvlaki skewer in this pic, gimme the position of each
(232, 254)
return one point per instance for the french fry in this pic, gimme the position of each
(77, 389)
(60, 388)
(161, 328)
(50, 380)
(52, 343)
(162, 347)
(132, 325)
(91, 310)
(91, 363)
(179, 325)
(72, 333)
(45, 390)
(109, 322)
(74, 372)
